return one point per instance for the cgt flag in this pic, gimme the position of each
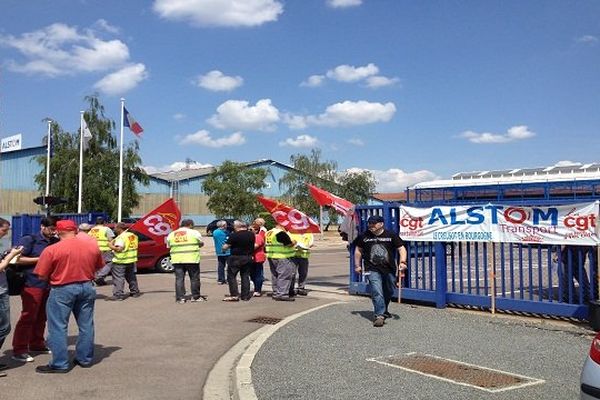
(324, 198)
(291, 219)
(159, 222)
(131, 123)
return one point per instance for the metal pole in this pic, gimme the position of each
(321, 220)
(493, 276)
(120, 206)
(48, 145)
(80, 163)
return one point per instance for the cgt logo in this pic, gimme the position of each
(157, 225)
(411, 223)
(293, 219)
(580, 222)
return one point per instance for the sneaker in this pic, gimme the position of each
(181, 301)
(387, 315)
(46, 369)
(100, 282)
(40, 350)
(23, 357)
(115, 298)
(302, 292)
(257, 294)
(379, 321)
(82, 365)
(222, 282)
(198, 300)
(3, 375)
(283, 298)
(136, 294)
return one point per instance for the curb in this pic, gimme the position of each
(231, 377)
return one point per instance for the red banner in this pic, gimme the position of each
(291, 219)
(158, 223)
(324, 198)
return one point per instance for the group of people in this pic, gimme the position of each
(243, 252)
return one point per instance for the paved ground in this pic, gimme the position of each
(152, 348)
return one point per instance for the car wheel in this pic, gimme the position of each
(164, 264)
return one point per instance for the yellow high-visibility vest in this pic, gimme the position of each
(276, 249)
(185, 248)
(99, 232)
(130, 251)
(304, 241)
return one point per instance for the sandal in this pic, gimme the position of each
(231, 298)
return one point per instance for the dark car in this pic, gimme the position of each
(213, 225)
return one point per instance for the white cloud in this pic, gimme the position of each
(350, 73)
(229, 13)
(203, 138)
(313, 81)
(176, 166)
(122, 80)
(356, 142)
(59, 49)
(239, 115)
(396, 180)
(104, 25)
(587, 39)
(378, 81)
(347, 113)
(300, 141)
(179, 116)
(515, 133)
(343, 3)
(218, 82)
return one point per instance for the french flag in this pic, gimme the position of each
(131, 123)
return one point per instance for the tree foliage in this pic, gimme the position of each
(353, 186)
(100, 167)
(232, 190)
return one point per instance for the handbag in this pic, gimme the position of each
(16, 280)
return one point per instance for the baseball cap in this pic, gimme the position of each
(373, 219)
(66, 225)
(85, 227)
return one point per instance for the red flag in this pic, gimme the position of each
(158, 223)
(324, 198)
(291, 219)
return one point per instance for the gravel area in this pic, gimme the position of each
(324, 355)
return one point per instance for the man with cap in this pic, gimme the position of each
(377, 248)
(69, 266)
(184, 244)
(84, 230)
(28, 337)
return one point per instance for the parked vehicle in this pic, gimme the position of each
(213, 225)
(590, 375)
(151, 255)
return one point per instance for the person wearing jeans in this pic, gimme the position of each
(241, 244)
(257, 271)
(219, 237)
(69, 266)
(377, 248)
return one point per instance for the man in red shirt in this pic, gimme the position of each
(69, 266)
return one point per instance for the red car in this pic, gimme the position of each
(151, 255)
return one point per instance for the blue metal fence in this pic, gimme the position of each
(25, 224)
(526, 278)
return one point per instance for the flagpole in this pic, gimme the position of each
(80, 163)
(121, 164)
(321, 220)
(48, 145)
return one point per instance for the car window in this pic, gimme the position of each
(141, 236)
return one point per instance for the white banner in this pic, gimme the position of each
(569, 224)
(11, 143)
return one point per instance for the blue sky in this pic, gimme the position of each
(411, 90)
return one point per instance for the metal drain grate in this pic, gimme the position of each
(457, 372)
(265, 320)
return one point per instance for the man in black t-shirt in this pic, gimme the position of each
(377, 248)
(241, 244)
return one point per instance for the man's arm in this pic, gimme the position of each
(116, 245)
(403, 256)
(357, 259)
(4, 263)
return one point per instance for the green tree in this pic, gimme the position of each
(356, 186)
(308, 169)
(232, 190)
(100, 167)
